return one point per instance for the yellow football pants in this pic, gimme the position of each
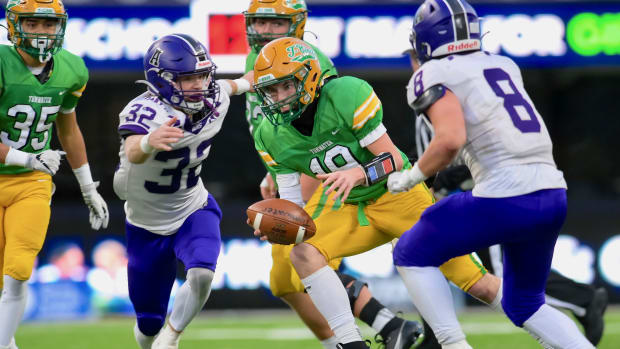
(24, 218)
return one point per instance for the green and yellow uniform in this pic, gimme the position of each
(348, 118)
(28, 109)
(283, 276)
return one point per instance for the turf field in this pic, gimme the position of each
(273, 330)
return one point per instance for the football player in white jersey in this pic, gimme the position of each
(166, 133)
(479, 109)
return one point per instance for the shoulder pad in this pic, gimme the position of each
(427, 98)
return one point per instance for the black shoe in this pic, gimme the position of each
(354, 345)
(403, 337)
(592, 322)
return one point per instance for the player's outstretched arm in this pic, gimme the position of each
(139, 147)
(240, 85)
(72, 140)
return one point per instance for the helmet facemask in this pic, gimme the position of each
(296, 102)
(192, 101)
(39, 45)
(257, 41)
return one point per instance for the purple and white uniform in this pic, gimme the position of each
(173, 174)
(519, 197)
(170, 214)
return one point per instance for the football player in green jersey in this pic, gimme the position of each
(40, 84)
(332, 129)
(267, 20)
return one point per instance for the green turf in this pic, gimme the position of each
(257, 330)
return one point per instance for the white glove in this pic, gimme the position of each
(402, 181)
(99, 215)
(47, 161)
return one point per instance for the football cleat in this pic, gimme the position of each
(167, 339)
(403, 337)
(592, 321)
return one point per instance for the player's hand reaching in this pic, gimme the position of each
(342, 181)
(99, 215)
(165, 135)
(402, 181)
(47, 161)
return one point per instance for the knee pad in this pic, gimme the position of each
(150, 325)
(200, 279)
(354, 290)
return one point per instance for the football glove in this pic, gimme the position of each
(402, 181)
(99, 215)
(47, 161)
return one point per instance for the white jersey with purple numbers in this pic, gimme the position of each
(163, 191)
(508, 149)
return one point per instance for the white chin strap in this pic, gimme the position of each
(42, 43)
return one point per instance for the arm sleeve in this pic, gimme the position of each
(289, 187)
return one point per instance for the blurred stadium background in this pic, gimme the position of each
(570, 55)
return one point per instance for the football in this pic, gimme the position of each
(282, 221)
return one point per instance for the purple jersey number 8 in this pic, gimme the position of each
(512, 100)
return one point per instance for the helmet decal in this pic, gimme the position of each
(154, 61)
(300, 53)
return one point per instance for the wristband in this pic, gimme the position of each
(378, 168)
(243, 86)
(415, 175)
(145, 146)
(83, 175)
(17, 158)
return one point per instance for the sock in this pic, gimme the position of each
(331, 299)
(553, 329)
(497, 302)
(393, 323)
(330, 343)
(144, 341)
(431, 295)
(12, 305)
(378, 317)
(191, 297)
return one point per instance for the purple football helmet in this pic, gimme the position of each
(444, 27)
(176, 55)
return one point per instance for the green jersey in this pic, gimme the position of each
(348, 118)
(253, 113)
(28, 108)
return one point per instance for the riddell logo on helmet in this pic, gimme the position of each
(463, 46)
